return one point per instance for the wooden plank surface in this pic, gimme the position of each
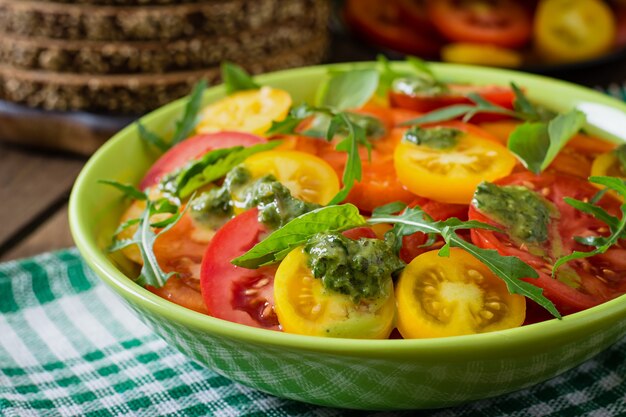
(33, 187)
(52, 235)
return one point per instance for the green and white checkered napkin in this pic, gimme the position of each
(68, 346)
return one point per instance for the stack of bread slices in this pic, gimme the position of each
(130, 56)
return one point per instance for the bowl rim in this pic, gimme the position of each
(389, 348)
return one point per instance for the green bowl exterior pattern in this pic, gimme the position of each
(361, 374)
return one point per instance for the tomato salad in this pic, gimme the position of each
(384, 205)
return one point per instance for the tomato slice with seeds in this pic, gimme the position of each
(193, 148)
(455, 295)
(381, 24)
(451, 175)
(504, 23)
(233, 293)
(582, 283)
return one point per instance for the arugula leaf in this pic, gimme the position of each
(536, 144)
(509, 268)
(528, 110)
(466, 110)
(187, 123)
(144, 237)
(348, 90)
(151, 138)
(127, 189)
(350, 144)
(183, 127)
(236, 78)
(215, 164)
(278, 244)
(616, 226)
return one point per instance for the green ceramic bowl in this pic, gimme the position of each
(384, 374)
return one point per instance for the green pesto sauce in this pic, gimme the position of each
(435, 137)
(358, 268)
(523, 213)
(274, 201)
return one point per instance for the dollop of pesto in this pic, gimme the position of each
(523, 212)
(418, 85)
(275, 203)
(436, 137)
(358, 268)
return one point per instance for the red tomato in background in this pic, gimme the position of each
(193, 148)
(381, 23)
(505, 23)
(599, 278)
(232, 293)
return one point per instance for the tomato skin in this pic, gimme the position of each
(456, 295)
(193, 148)
(224, 286)
(503, 23)
(568, 299)
(380, 23)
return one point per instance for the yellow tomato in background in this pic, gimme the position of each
(481, 54)
(441, 296)
(304, 306)
(250, 111)
(573, 30)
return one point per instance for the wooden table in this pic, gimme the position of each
(35, 185)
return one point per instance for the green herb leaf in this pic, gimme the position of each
(529, 142)
(278, 244)
(508, 268)
(617, 227)
(236, 78)
(187, 123)
(620, 154)
(127, 189)
(151, 138)
(348, 90)
(536, 144)
(350, 144)
(441, 115)
(214, 165)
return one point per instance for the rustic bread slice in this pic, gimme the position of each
(132, 93)
(165, 22)
(125, 2)
(98, 57)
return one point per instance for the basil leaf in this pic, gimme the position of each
(529, 142)
(278, 244)
(348, 90)
(560, 130)
(236, 78)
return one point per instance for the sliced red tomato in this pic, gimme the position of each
(182, 291)
(193, 148)
(456, 94)
(381, 24)
(233, 293)
(504, 23)
(414, 14)
(580, 284)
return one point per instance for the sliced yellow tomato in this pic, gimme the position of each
(308, 177)
(451, 175)
(451, 296)
(245, 111)
(500, 129)
(607, 164)
(481, 54)
(573, 30)
(305, 307)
